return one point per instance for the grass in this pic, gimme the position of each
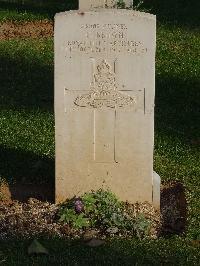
(14, 15)
(27, 134)
(28, 10)
(26, 119)
(178, 114)
(175, 251)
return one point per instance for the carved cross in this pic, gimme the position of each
(105, 99)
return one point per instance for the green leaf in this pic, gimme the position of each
(81, 221)
(68, 216)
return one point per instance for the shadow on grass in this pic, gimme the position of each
(26, 84)
(177, 107)
(26, 167)
(40, 7)
(180, 12)
(114, 252)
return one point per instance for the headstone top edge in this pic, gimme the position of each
(107, 10)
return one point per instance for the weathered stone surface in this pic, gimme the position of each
(156, 190)
(104, 103)
(90, 4)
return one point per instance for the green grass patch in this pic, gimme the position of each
(26, 117)
(177, 115)
(15, 15)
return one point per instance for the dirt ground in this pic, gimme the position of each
(30, 209)
(24, 216)
(29, 29)
(173, 206)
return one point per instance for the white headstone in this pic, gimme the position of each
(104, 104)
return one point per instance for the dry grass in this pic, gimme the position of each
(26, 29)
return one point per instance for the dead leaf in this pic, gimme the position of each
(2, 259)
(90, 234)
(95, 243)
(195, 243)
(37, 248)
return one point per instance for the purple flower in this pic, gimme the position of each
(78, 205)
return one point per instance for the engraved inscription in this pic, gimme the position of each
(105, 38)
(109, 26)
(104, 91)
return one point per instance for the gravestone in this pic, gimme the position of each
(90, 4)
(104, 103)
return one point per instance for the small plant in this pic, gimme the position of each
(101, 209)
(121, 4)
(107, 209)
(72, 213)
(136, 4)
(141, 226)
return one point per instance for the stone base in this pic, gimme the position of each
(156, 191)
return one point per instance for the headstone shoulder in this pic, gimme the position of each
(107, 11)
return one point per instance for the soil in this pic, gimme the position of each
(173, 208)
(35, 218)
(5, 195)
(42, 192)
(28, 29)
(27, 211)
